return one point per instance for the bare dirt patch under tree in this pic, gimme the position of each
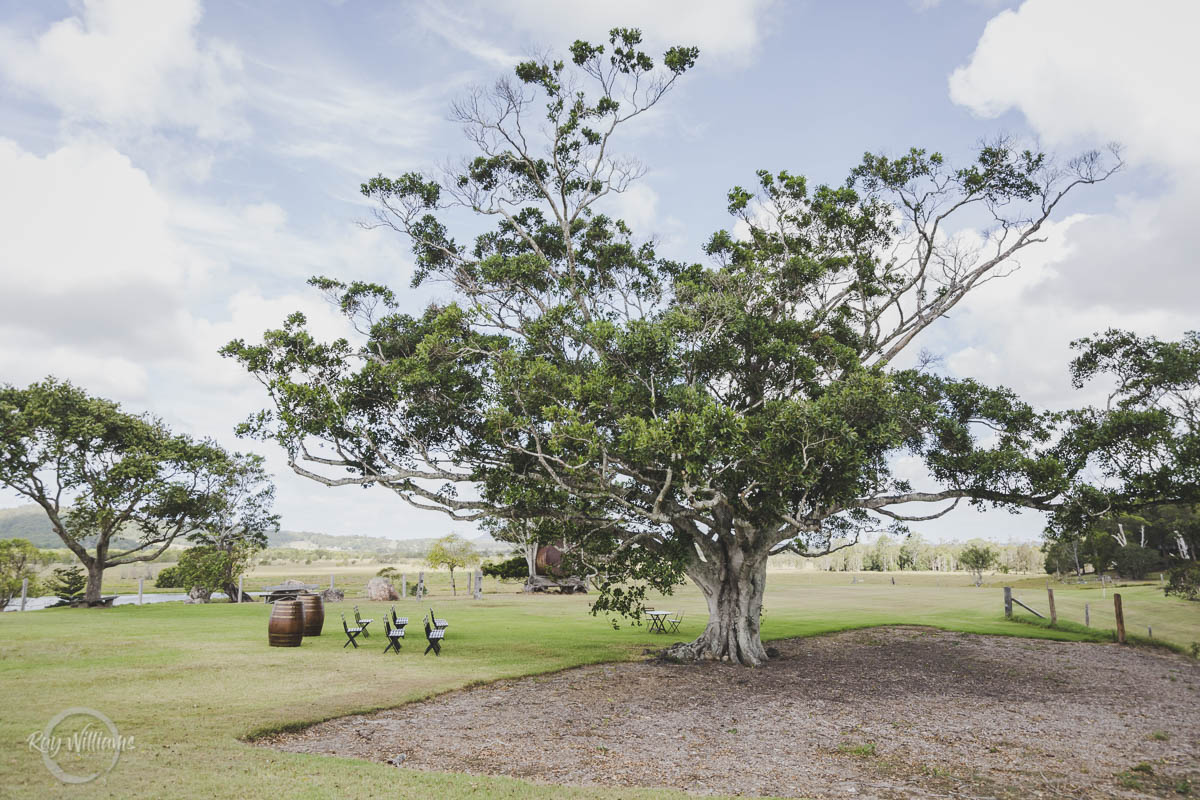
(883, 712)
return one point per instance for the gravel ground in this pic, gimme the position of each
(884, 712)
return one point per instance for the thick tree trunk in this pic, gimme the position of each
(230, 589)
(734, 591)
(95, 571)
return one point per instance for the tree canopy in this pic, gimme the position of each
(977, 559)
(97, 471)
(680, 417)
(1145, 441)
(241, 520)
(1140, 487)
(452, 552)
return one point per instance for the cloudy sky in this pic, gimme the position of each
(171, 171)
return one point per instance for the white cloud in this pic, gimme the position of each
(111, 282)
(467, 33)
(1083, 74)
(637, 205)
(722, 29)
(358, 123)
(1100, 70)
(27, 357)
(88, 256)
(131, 63)
(922, 6)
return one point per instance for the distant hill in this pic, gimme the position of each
(415, 548)
(29, 522)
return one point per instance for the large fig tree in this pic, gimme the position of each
(681, 418)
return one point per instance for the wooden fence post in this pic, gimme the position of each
(140, 590)
(1053, 613)
(1008, 601)
(478, 584)
(24, 591)
(241, 593)
(403, 586)
(420, 585)
(1087, 615)
(1120, 617)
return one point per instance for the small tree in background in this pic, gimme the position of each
(909, 553)
(241, 519)
(18, 559)
(1099, 548)
(977, 558)
(452, 552)
(68, 584)
(1058, 557)
(204, 568)
(1134, 561)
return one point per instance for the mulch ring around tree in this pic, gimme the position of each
(882, 712)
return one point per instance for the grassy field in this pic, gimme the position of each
(189, 683)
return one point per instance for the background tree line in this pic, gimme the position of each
(914, 553)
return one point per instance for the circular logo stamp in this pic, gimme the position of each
(79, 745)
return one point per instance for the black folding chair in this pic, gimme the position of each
(363, 623)
(351, 633)
(394, 635)
(674, 622)
(439, 624)
(434, 637)
(399, 622)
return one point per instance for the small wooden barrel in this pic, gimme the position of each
(548, 559)
(314, 614)
(286, 628)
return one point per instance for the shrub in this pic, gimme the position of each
(514, 569)
(1134, 561)
(1184, 581)
(204, 567)
(168, 578)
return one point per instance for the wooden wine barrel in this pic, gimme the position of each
(314, 614)
(286, 628)
(548, 560)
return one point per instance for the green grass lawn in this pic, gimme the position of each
(190, 682)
